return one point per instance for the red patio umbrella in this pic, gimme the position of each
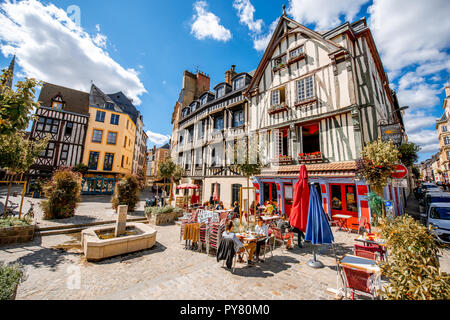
(216, 193)
(300, 205)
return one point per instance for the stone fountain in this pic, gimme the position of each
(105, 242)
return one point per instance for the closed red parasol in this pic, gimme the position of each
(300, 205)
(216, 193)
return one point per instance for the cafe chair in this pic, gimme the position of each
(366, 254)
(267, 246)
(373, 249)
(363, 226)
(278, 236)
(358, 281)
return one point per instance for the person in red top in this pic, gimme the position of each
(195, 200)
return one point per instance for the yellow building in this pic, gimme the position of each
(110, 139)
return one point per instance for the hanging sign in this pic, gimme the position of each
(392, 132)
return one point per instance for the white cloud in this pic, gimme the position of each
(157, 138)
(51, 47)
(422, 95)
(416, 121)
(207, 25)
(246, 13)
(324, 14)
(409, 32)
(260, 43)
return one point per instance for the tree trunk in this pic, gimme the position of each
(7, 196)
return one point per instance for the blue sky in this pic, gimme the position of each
(142, 47)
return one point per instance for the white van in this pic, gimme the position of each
(438, 217)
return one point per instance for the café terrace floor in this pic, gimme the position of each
(168, 271)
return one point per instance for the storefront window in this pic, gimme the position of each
(351, 198)
(336, 197)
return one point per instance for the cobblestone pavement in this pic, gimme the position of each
(168, 271)
(91, 209)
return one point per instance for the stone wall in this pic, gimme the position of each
(162, 219)
(17, 234)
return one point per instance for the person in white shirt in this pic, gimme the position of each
(263, 230)
(238, 245)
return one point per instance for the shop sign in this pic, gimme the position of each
(400, 183)
(392, 132)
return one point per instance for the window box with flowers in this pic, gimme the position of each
(282, 159)
(278, 108)
(314, 156)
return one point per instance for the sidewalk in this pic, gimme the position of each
(412, 207)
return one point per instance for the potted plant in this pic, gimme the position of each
(36, 188)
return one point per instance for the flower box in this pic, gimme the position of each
(278, 108)
(316, 156)
(279, 67)
(282, 159)
(16, 234)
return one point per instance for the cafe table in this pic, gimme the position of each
(342, 221)
(379, 242)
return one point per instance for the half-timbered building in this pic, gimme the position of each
(317, 99)
(206, 128)
(64, 116)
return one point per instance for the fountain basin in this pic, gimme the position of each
(97, 246)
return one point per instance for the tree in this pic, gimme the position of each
(16, 108)
(81, 168)
(169, 170)
(18, 154)
(408, 153)
(248, 160)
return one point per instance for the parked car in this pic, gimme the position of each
(438, 217)
(432, 197)
(428, 189)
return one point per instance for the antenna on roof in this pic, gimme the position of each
(197, 68)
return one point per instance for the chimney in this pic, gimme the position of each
(203, 83)
(229, 74)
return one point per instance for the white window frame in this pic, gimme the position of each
(275, 97)
(305, 89)
(444, 128)
(296, 52)
(220, 92)
(239, 83)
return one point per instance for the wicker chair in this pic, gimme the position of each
(358, 280)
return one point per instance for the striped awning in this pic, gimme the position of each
(334, 169)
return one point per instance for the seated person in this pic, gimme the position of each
(219, 206)
(236, 210)
(275, 208)
(285, 228)
(263, 230)
(238, 245)
(269, 208)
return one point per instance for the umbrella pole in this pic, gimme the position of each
(314, 263)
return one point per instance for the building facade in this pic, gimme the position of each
(317, 99)
(206, 128)
(64, 116)
(154, 157)
(110, 144)
(443, 130)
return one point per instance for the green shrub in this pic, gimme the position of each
(376, 207)
(162, 210)
(63, 195)
(126, 193)
(413, 267)
(12, 222)
(10, 277)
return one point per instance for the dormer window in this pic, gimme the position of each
(220, 92)
(57, 103)
(186, 112)
(109, 106)
(239, 83)
(194, 106)
(204, 99)
(296, 53)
